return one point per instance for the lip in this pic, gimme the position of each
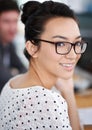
(68, 66)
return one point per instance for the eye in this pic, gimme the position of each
(79, 43)
(61, 44)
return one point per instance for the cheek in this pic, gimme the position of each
(48, 56)
(4, 28)
(78, 57)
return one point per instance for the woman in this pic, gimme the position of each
(53, 47)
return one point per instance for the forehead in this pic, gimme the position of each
(9, 14)
(61, 26)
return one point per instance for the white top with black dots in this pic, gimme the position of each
(34, 108)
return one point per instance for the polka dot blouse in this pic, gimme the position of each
(34, 108)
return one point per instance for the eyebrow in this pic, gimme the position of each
(65, 38)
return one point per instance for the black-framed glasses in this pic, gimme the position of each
(64, 48)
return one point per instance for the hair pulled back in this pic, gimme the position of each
(36, 14)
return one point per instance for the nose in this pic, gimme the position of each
(71, 54)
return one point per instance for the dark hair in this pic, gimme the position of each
(8, 5)
(36, 14)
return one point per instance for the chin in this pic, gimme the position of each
(66, 76)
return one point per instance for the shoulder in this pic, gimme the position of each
(32, 93)
(38, 92)
(19, 82)
(42, 99)
(38, 105)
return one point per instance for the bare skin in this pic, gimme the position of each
(47, 68)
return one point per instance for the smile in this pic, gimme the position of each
(68, 66)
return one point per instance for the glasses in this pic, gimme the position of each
(64, 48)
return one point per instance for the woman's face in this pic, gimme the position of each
(59, 30)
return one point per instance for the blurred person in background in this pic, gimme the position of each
(10, 63)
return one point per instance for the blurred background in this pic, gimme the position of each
(83, 10)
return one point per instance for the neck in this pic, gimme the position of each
(40, 77)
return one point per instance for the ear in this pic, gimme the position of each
(32, 49)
